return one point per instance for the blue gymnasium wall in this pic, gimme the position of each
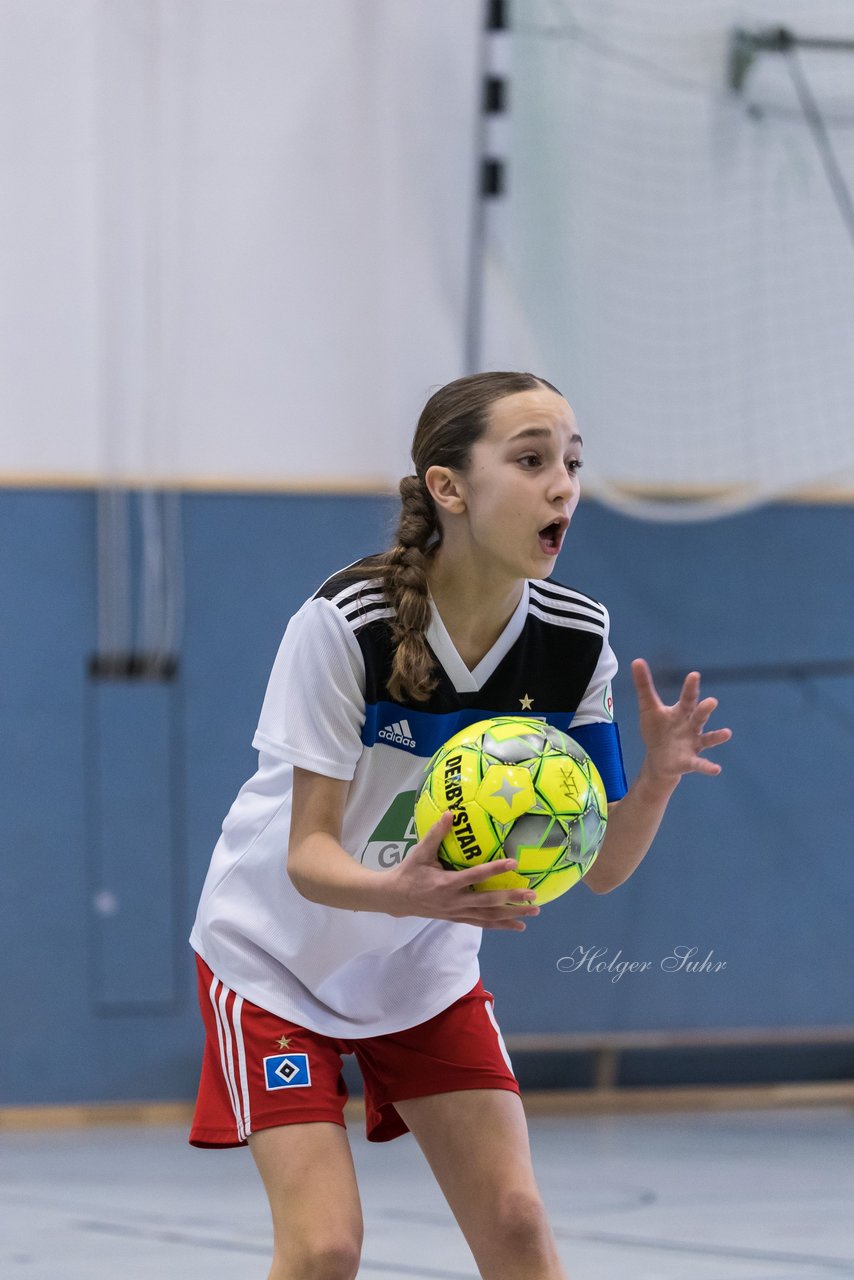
(119, 791)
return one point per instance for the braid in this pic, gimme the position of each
(407, 593)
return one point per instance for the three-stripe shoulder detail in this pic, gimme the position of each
(362, 602)
(562, 605)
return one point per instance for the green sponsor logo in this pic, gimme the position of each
(394, 835)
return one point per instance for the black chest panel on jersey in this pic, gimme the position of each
(551, 663)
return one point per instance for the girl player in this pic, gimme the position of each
(314, 938)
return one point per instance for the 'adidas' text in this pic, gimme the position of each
(399, 734)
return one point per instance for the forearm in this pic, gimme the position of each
(322, 871)
(632, 826)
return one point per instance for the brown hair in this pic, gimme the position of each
(453, 419)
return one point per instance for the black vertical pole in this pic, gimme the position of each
(490, 167)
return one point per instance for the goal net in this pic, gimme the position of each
(671, 251)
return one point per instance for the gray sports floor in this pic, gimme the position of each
(737, 1196)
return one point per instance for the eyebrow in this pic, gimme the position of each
(541, 433)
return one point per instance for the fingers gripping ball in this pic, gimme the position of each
(517, 788)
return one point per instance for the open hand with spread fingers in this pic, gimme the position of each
(676, 735)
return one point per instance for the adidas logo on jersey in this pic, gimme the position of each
(398, 734)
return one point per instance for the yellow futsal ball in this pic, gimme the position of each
(517, 788)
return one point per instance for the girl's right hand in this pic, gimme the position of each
(421, 886)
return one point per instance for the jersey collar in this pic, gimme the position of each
(463, 680)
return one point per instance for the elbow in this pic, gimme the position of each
(599, 889)
(299, 881)
(296, 881)
(600, 883)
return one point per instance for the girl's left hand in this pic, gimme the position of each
(674, 736)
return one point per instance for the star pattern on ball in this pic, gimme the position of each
(526, 703)
(507, 791)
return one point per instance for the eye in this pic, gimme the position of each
(529, 461)
(573, 465)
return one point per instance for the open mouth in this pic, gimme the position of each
(551, 537)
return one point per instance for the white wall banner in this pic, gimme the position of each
(233, 237)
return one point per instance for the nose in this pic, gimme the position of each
(562, 484)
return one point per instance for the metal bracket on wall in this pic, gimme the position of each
(746, 46)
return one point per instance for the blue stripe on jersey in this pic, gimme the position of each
(422, 733)
(602, 744)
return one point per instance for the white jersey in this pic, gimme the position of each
(327, 709)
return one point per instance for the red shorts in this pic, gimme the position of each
(260, 1071)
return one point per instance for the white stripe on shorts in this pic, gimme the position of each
(226, 1055)
(237, 1027)
(502, 1046)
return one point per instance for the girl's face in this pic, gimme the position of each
(515, 501)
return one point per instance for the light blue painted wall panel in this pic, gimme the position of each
(135, 858)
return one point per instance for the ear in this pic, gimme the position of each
(446, 489)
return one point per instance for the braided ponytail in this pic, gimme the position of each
(453, 419)
(407, 592)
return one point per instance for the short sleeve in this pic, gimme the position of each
(598, 702)
(593, 725)
(314, 706)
